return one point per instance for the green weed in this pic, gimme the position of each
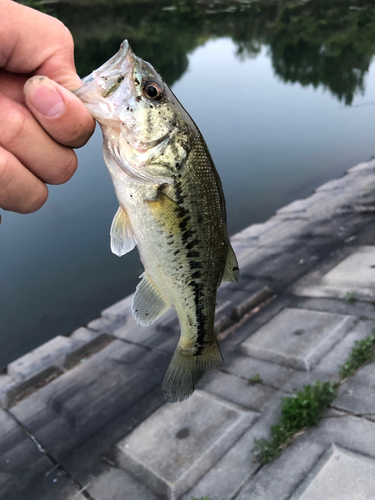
(351, 297)
(362, 352)
(297, 413)
(255, 379)
(304, 409)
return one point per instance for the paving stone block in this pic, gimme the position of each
(174, 447)
(359, 309)
(88, 343)
(16, 390)
(6, 383)
(357, 394)
(300, 206)
(353, 433)
(116, 484)
(272, 374)
(232, 472)
(281, 267)
(279, 479)
(298, 338)
(339, 475)
(237, 390)
(329, 367)
(239, 245)
(248, 259)
(248, 327)
(121, 308)
(21, 463)
(251, 302)
(355, 276)
(254, 231)
(341, 183)
(358, 268)
(301, 461)
(54, 485)
(66, 412)
(52, 353)
(234, 303)
(283, 231)
(362, 167)
(94, 462)
(107, 325)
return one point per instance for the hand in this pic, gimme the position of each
(40, 120)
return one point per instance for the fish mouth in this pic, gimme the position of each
(117, 66)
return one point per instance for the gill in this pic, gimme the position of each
(135, 157)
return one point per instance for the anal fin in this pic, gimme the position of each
(231, 270)
(122, 236)
(148, 303)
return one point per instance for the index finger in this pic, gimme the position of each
(31, 41)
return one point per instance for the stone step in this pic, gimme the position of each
(179, 443)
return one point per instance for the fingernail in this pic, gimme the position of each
(44, 97)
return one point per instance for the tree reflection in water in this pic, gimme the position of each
(327, 43)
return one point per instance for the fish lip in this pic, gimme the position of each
(122, 63)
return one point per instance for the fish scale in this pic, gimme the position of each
(171, 207)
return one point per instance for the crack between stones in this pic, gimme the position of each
(56, 465)
(347, 413)
(248, 480)
(148, 348)
(260, 384)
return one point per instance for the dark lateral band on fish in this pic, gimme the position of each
(172, 208)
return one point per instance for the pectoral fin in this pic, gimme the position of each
(231, 271)
(148, 303)
(122, 237)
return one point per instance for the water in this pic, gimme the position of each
(284, 95)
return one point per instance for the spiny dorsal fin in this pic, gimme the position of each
(122, 237)
(148, 303)
(231, 271)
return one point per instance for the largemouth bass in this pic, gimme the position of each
(171, 206)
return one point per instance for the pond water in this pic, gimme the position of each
(283, 93)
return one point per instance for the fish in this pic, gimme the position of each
(171, 206)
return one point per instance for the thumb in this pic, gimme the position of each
(62, 115)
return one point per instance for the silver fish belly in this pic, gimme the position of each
(171, 207)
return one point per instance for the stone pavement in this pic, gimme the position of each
(82, 417)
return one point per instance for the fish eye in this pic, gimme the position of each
(152, 90)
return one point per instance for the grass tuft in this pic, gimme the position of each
(304, 409)
(362, 352)
(297, 413)
(351, 297)
(255, 379)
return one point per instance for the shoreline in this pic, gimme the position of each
(51, 359)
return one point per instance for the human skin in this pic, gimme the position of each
(40, 119)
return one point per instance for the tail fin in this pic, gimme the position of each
(185, 370)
